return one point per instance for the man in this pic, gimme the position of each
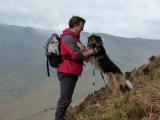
(72, 65)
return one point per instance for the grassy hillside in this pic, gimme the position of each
(141, 104)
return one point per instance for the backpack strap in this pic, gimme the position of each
(67, 57)
(59, 47)
(47, 64)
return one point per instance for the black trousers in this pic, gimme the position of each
(67, 85)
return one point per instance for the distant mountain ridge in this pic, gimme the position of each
(21, 51)
(128, 52)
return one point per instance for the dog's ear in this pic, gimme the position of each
(99, 40)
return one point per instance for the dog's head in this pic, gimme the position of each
(95, 41)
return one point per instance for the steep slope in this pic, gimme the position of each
(141, 104)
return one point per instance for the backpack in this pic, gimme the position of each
(52, 52)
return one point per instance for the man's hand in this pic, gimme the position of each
(82, 47)
(88, 54)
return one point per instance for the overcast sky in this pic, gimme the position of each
(128, 18)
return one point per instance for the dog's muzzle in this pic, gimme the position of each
(91, 46)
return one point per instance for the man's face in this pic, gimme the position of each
(79, 28)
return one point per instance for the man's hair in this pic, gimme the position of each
(75, 21)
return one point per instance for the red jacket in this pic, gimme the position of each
(71, 54)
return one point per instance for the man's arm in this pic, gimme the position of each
(74, 50)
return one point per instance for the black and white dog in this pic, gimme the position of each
(115, 78)
(103, 62)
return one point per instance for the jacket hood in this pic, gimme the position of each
(69, 32)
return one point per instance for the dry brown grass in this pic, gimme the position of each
(141, 104)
